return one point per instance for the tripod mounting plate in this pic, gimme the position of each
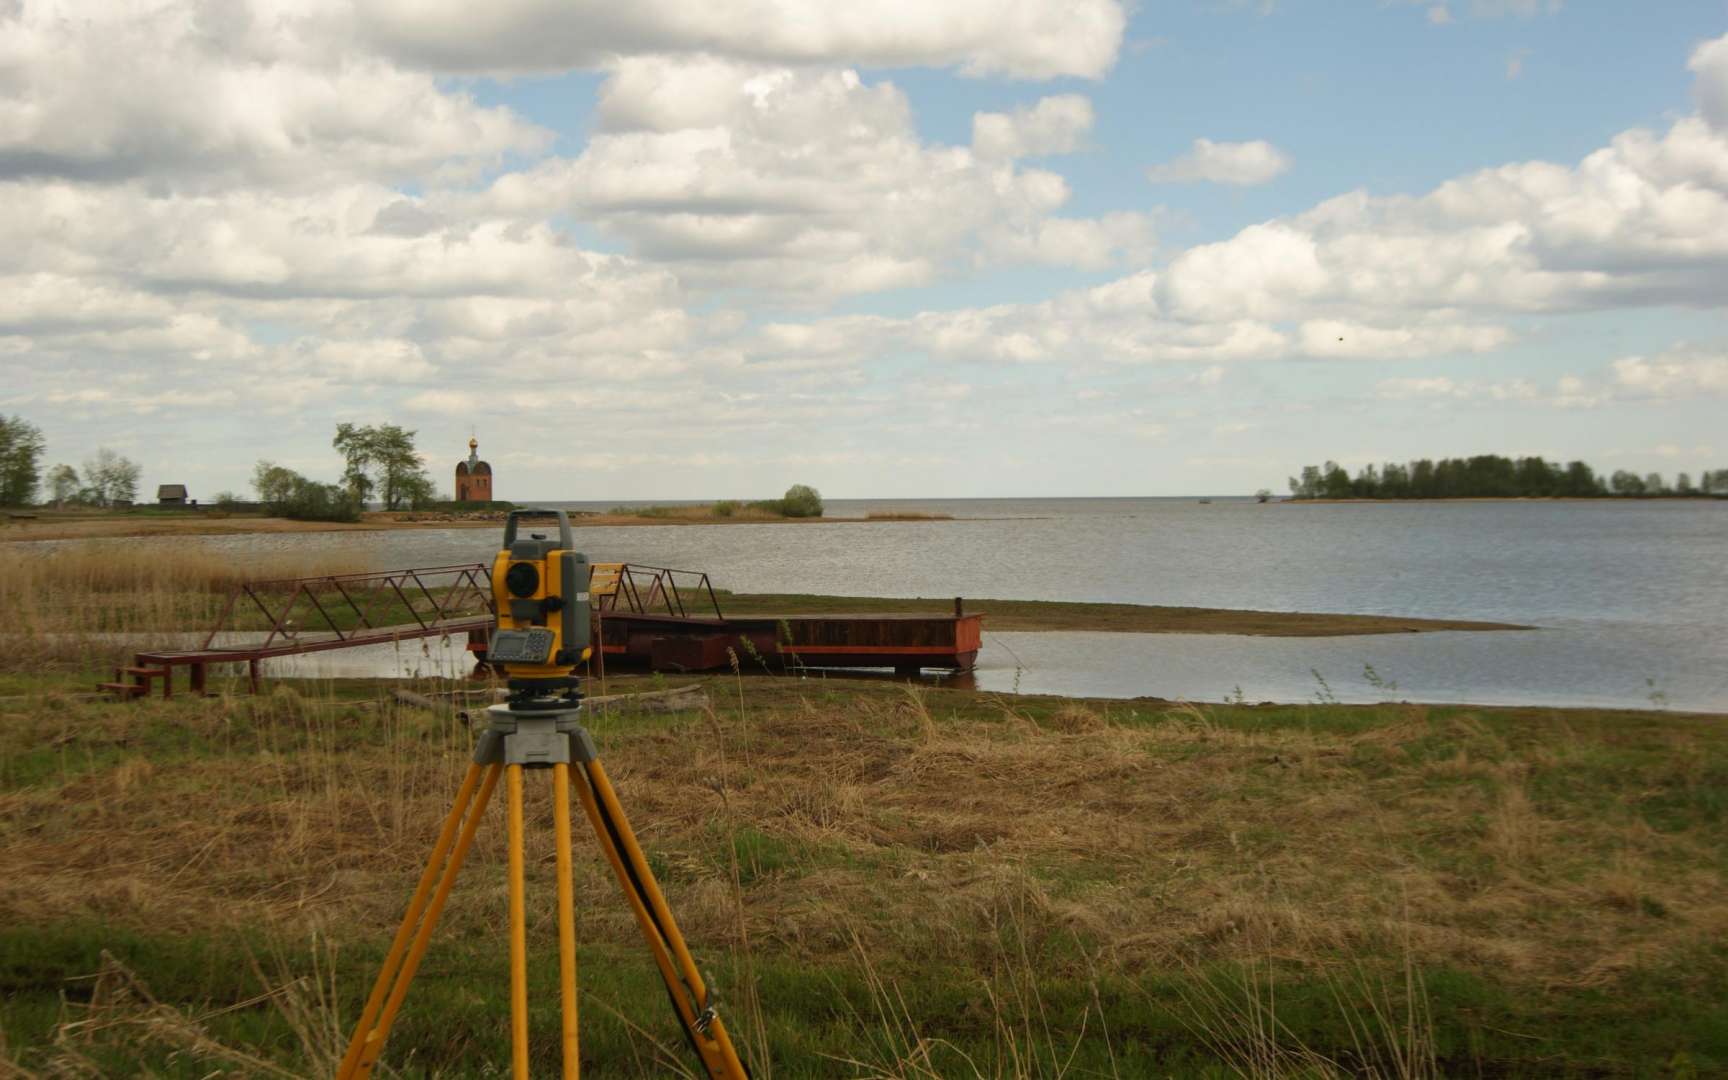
(535, 735)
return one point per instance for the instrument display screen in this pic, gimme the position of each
(520, 646)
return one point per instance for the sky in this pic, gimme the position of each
(888, 248)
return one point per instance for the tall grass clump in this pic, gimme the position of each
(78, 603)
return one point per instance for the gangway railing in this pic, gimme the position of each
(652, 590)
(352, 608)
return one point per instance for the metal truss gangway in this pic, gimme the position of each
(261, 620)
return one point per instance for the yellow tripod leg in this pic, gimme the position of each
(373, 1042)
(677, 966)
(566, 916)
(416, 906)
(518, 932)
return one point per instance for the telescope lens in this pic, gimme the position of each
(522, 579)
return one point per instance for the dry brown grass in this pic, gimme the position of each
(63, 603)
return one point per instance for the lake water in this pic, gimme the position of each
(1630, 598)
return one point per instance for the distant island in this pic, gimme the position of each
(1490, 476)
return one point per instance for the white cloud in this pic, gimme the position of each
(1395, 277)
(1340, 339)
(1441, 14)
(807, 181)
(1571, 392)
(1084, 243)
(362, 361)
(1056, 125)
(1523, 9)
(1515, 63)
(1709, 63)
(1022, 38)
(1431, 386)
(1683, 372)
(1243, 164)
(1443, 388)
(211, 95)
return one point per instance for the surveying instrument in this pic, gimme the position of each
(540, 592)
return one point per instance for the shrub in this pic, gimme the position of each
(309, 500)
(801, 501)
(725, 508)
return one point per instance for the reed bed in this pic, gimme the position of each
(81, 605)
(906, 515)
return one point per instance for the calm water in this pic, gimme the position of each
(1631, 598)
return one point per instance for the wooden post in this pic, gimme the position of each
(959, 608)
(252, 673)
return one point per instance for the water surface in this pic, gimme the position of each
(1631, 598)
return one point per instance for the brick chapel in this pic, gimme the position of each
(473, 476)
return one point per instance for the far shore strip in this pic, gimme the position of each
(51, 526)
(1048, 615)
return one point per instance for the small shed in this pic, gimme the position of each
(171, 495)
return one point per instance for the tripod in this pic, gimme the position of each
(541, 734)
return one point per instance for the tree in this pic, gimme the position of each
(418, 492)
(111, 477)
(1580, 481)
(381, 458)
(273, 483)
(1653, 485)
(286, 493)
(1395, 481)
(1625, 483)
(62, 484)
(800, 501)
(21, 448)
(1263, 495)
(1683, 484)
(1367, 483)
(1335, 483)
(1422, 484)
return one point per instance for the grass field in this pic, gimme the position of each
(886, 881)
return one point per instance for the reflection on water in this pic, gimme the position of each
(1507, 668)
(1632, 597)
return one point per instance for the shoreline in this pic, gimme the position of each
(1609, 499)
(1055, 616)
(49, 526)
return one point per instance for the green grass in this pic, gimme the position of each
(1176, 1023)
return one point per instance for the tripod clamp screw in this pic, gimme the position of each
(705, 1019)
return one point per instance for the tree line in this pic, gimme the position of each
(1490, 476)
(380, 463)
(108, 478)
(379, 460)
